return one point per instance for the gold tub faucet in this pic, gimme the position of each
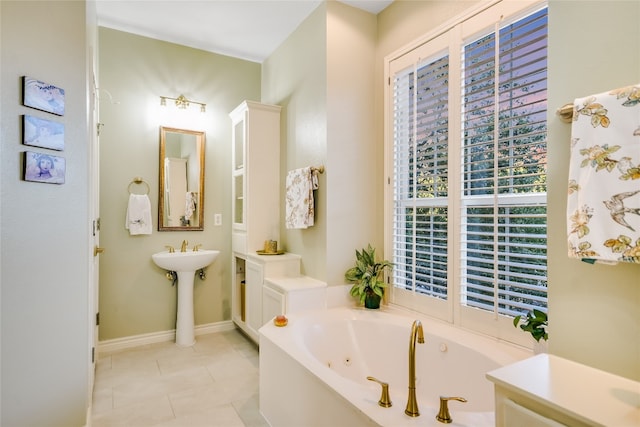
(443, 414)
(385, 399)
(416, 335)
(183, 247)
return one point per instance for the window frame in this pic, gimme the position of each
(451, 38)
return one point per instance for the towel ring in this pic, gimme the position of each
(138, 180)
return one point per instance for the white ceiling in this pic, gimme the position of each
(247, 29)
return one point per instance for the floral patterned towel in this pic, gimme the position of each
(299, 198)
(603, 206)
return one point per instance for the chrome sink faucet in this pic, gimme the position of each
(183, 247)
(417, 334)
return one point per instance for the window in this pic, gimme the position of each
(468, 180)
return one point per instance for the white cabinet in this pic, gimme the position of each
(255, 176)
(550, 391)
(248, 296)
(287, 295)
(255, 207)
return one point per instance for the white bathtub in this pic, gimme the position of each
(313, 371)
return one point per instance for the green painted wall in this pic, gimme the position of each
(135, 296)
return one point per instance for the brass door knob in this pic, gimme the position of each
(385, 399)
(97, 250)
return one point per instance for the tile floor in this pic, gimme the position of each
(212, 384)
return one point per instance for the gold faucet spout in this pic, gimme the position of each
(417, 335)
(183, 247)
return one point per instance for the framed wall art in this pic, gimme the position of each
(43, 133)
(43, 167)
(43, 96)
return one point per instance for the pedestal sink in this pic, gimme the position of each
(185, 264)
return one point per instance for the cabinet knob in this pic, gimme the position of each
(97, 250)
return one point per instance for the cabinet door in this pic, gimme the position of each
(273, 304)
(253, 289)
(239, 168)
(517, 415)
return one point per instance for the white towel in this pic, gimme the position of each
(603, 206)
(138, 218)
(299, 209)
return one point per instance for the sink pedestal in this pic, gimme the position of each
(185, 336)
(185, 264)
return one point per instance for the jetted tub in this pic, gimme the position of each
(313, 372)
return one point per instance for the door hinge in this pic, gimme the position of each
(98, 319)
(96, 226)
(93, 355)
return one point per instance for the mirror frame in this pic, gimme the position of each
(200, 141)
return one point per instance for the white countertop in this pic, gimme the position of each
(587, 394)
(286, 256)
(294, 283)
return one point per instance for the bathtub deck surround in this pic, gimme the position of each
(318, 368)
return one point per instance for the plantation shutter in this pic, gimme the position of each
(503, 206)
(420, 120)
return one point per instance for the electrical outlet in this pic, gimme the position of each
(217, 219)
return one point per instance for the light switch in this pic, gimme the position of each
(217, 219)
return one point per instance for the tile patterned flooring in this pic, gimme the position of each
(214, 383)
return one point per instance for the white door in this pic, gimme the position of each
(253, 290)
(94, 207)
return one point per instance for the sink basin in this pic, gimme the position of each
(185, 261)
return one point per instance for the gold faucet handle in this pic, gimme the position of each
(443, 414)
(196, 247)
(385, 399)
(171, 248)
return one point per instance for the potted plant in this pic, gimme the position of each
(535, 323)
(366, 275)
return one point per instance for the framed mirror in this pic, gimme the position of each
(181, 195)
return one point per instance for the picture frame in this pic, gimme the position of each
(44, 167)
(38, 132)
(43, 96)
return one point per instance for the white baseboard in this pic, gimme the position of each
(156, 337)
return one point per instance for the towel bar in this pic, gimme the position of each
(565, 112)
(319, 169)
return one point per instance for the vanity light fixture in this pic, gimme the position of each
(182, 102)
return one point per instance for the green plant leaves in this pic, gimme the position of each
(535, 323)
(366, 274)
